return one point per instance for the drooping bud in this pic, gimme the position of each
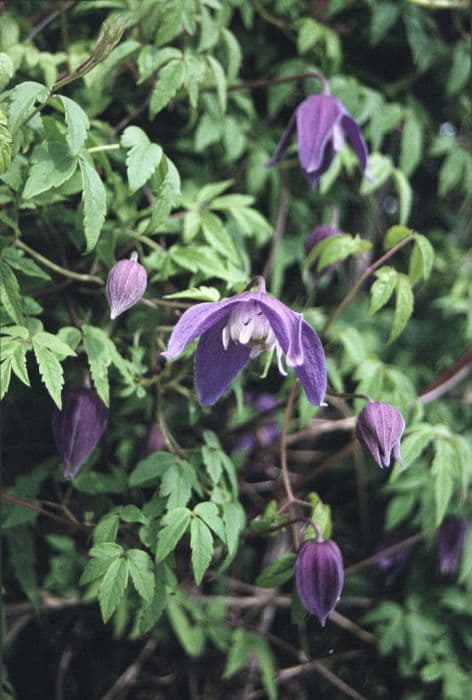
(379, 428)
(126, 284)
(319, 577)
(78, 427)
(450, 543)
(154, 441)
(391, 565)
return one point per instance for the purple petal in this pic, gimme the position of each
(328, 157)
(356, 139)
(316, 118)
(126, 284)
(283, 143)
(319, 577)
(215, 367)
(312, 373)
(195, 321)
(286, 324)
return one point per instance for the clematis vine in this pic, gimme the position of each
(235, 330)
(322, 124)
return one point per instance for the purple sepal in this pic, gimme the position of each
(78, 427)
(319, 577)
(379, 428)
(126, 284)
(450, 543)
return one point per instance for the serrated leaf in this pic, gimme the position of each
(383, 288)
(112, 587)
(414, 443)
(411, 144)
(277, 573)
(217, 236)
(394, 235)
(95, 204)
(403, 306)
(150, 614)
(421, 259)
(212, 461)
(106, 550)
(142, 573)
(201, 543)
(220, 81)
(442, 468)
(169, 80)
(380, 168)
(208, 512)
(177, 484)
(231, 520)
(48, 340)
(337, 248)
(5, 143)
(151, 468)
(51, 372)
(22, 99)
(96, 347)
(192, 637)
(201, 293)
(10, 294)
(54, 165)
(77, 124)
(176, 522)
(233, 52)
(105, 532)
(405, 195)
(5, 375)
(18, 364)
(142, 158)
(94, 569)
(23, 559)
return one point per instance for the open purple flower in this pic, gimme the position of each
(450, 543)
(78, 427)
(322, 124)
(235, 330)
(379, 428)
(319, 577)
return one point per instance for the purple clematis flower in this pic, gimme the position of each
(235, 330)
(379, 428)
(126, 284)
(319, 577)
(322, 124)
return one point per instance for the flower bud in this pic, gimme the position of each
(126, 284)
(391, 565)
(319, 577)
(78, 427)
(379, 428)
(155, 441)
(450, 543)
(319, 234)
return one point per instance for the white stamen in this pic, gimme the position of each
(225, 337)
(280, 365)
(338, 137)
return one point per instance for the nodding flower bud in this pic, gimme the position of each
(450, 543)
(391, 565)
(126, 284)
(78, 427)
(319, 577)
(379, 428)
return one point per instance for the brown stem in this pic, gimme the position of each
(388, 550)
(279, 228)
(32, 506)
(368, 272)
(447, 379)
(283, 442)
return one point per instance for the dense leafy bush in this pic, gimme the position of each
(165, 567)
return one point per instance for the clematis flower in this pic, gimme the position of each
(78, 427)
(126, 284)
(379, 428)
(450, 543)
(322, 124)
(319, 577)
(235, 330)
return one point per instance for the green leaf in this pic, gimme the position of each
(143, 156)
(10, 294)
(150, 614)
(421, 259)
(233, 53)
(142, 573)
(175, 522)
(411, 144)
(96, 346)
(18, 364)
(380, 168)
(53, 343)
(22, 99)
(201, 543)
(95, 569)
(112, 587)
(5, 375)
(217, 236)
(177, 484)
(169, 80)
(165, 185)
(208, 512)
(337, 248)
(50, 370)
(201, 293)
(54, 165)
(460, 69)
(403, 306)
(277, 573)
(232, 521)
(220, 81)
(394, 235)
(151, 468)
(405, 195)
(23, 559)
(383, 288)
(106, 530)
(451, 173)
(106, 550)
(442, 469)
(384, 16)
(266, 662)
(415, 442)
(95, 203)
(190, 636)
(5, 143)
(77, 124)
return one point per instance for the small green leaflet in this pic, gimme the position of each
(99, 359)
(403, 306)
(50, 370)
(77, 124)
(151, 468)
(421, 259)
(94, 201)
(169, 80)
(383, 288)
(411, 144)
(190, 636)
(277, 573)
(142, 573)
(337, 248)
(175, 523)
(22, 99)
(201, 543)
(112, 587)
(380, 167)
(53, 165)
(405, 195)
(5, 143)
(220, 81)
(208, 512)
(10, 293)
(201, 293)
(143, 156)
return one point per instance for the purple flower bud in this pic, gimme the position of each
(126, 284)
(78, 427)
(391, 565)
(319, 577)
(379, 428)
(450, 543)
(154, 441)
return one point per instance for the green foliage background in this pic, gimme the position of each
(135, 125)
